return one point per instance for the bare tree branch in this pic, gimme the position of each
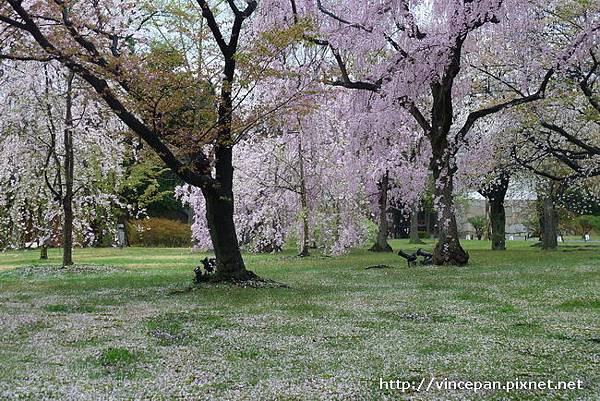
(476, 115)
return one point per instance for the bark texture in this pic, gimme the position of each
(447, 250)
(549, 224)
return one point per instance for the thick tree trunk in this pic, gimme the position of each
(219, 215)
(448, 250)
(549, 224)
(498, 224)
(414, 226)
(381, 244)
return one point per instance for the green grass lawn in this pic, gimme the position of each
(134, 332)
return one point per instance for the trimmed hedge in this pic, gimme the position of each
(158, 232)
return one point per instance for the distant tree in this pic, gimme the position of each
(548, 192)
(589, 224)
(495, 192)
(478, 223)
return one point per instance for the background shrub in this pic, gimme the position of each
(159, 232)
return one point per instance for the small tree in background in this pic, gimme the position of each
(587, 224)
(479, 224)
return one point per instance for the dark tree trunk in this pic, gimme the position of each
(498, 225)
(381, 245)
(67, 233)
(69, 160)
(549, 224)
(495, 193)
(44, 252)
(414, 225)
(219, 215)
